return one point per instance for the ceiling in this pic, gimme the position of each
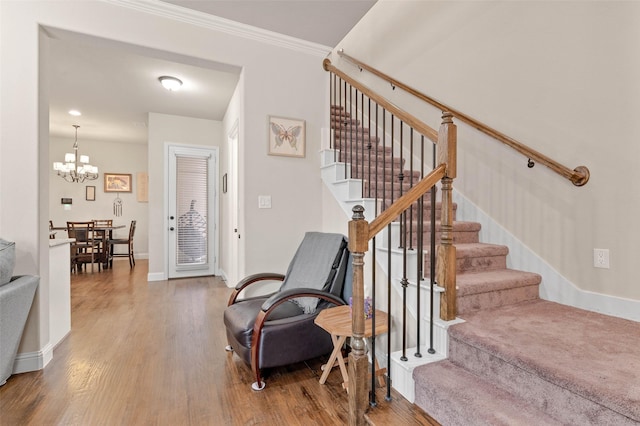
(324, 22)
(116, 87)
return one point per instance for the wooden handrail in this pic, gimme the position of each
(578, 176)
(407, 118)
(403, 203)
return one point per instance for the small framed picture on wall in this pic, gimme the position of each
(90, 193)
(286, 137)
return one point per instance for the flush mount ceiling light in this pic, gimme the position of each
(170, 83)
(75, 113)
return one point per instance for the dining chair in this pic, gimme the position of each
(124, 241)
(85, 249)
(103, 236)
(103, 222)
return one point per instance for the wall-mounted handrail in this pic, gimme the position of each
(578, 176)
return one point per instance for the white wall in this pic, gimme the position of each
(562, 77)
(232, 122)
(283, 78)
(295, 90)
(109, 157)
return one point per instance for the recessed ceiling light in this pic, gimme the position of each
(170, 83)
(75, 112)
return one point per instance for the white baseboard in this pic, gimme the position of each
(156, 276)
(223, 276)
(33, 361)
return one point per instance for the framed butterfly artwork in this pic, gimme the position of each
(287, 137)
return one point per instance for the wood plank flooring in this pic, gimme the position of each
(144, 353)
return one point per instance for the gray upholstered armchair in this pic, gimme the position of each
(16, 297)
(278, 329)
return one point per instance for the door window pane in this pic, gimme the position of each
(191, 201)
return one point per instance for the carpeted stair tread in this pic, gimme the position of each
(494, 280)
(476, 257)
(480, 250)
(458, 226)
(463, 232)
(588, 356)
(456, 397)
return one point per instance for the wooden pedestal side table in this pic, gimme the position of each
(337, 322)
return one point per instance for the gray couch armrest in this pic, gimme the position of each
(16, 298)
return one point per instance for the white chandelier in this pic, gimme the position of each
(76, 168)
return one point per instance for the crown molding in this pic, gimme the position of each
(201, 19)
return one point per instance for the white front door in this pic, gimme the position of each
(192, 211)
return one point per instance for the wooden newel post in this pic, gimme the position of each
(358, 361)
(446, 252)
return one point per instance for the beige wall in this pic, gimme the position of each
(562, 77)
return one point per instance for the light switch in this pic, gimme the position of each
(264, 201)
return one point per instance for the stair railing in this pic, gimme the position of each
(361, 152)
(578, 176)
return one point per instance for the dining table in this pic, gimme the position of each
(106, 233)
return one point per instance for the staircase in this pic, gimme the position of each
(516, 359)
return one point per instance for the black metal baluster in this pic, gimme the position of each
(388, 396)
(384, 160)
(343, 113)
(333, 111)
(403, 215)
(393, 136)
(411, 186)
(361, 130)
(377, 177)
(432, 259)
(403, 244)
(385, 206)
(351, 131)
(354, 142)
(405, 284)
(420, 262)
(369, 151)
(372, 399)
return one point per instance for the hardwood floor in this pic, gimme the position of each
(144, 353)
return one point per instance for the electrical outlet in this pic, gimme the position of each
(601, 258)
